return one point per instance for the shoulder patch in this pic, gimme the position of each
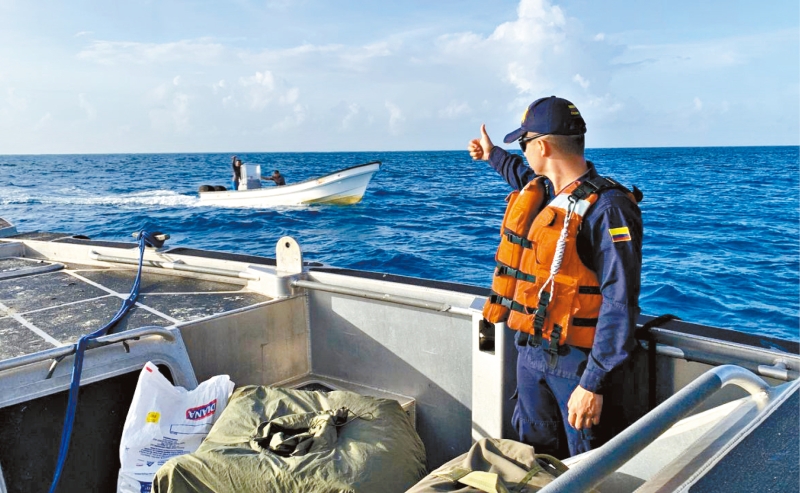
(620, 234)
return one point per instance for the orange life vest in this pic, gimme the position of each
(527, 293)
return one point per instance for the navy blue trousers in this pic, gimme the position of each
(540, 415)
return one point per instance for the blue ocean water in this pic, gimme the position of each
(721, 224)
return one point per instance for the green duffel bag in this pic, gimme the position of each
(493, 465)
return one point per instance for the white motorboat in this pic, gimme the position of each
(343, 187)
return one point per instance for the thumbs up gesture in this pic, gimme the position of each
(479, 148)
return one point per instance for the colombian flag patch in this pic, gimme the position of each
(620, 234)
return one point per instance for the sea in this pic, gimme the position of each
(721, 224)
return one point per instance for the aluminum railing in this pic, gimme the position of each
(388, 298)
(59, 353)
(176, 266)
(620, 449)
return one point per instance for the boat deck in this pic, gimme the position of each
(768, 459)
(415, 341)
(40, 310)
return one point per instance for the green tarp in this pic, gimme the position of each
(494, 465)
(376, 450)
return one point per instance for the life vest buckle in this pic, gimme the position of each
(552, 346)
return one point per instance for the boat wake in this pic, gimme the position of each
(167, 198)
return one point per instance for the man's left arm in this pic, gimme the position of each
(615, 229)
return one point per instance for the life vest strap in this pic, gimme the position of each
(504, 270)
(584, 322)
(509, 303)
(516, 239)
(593, 185)
(599, 183)
(552, 346)
(589, 290)
(539, 315)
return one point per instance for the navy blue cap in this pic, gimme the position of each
(553, 116)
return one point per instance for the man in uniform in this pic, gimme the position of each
(565, 366)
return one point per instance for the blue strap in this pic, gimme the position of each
(80, 347)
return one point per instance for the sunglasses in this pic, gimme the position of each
(523, 141)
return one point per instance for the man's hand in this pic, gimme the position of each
(480, 148)
(584, 408)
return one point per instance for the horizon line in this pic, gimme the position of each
(374, 151)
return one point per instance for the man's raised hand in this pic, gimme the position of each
(479, 148)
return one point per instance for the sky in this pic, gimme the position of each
(148, 76)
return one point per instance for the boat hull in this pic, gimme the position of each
(284, 322)
(343, 187)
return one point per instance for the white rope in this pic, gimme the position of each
(558, 257)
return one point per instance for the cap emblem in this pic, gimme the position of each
(525, 115)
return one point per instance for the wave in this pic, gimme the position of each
(437, 215)
(149, 198)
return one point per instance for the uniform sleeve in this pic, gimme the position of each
(616, 236)
(511, 167)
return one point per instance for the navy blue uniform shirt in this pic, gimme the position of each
(618, 266)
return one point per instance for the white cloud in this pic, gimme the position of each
(169, 108)
(43, 122)
(292, 120)
(87, 107)
(396, 117)
(602, 107)
(263, 88)
(297, 55)
(159, 93)
(353, 109)
(539, 52)
(459, 43)
(180, 112)
(282, 4)
(424, 81)
(121, 52)
(173, 115)
(581, 81)
(521, 77)
(290, 97)
(16, 102)
(536, 20)
(455, 110)
(706, 55)
(362, 54)
(264, 79)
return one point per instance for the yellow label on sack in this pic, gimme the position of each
(153, 417)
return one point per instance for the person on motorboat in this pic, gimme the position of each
(276, 177)
(236, 165)
(567, 280)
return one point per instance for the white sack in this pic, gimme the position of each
(165, 421)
